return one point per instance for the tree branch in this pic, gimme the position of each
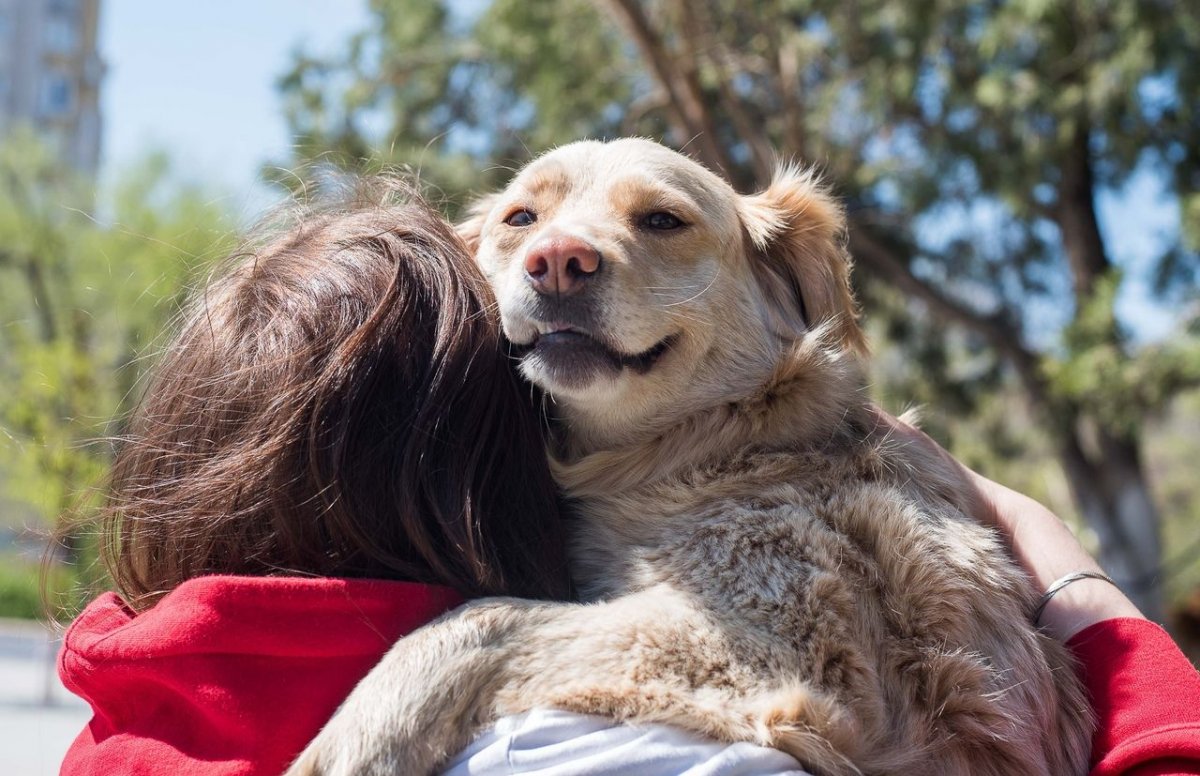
(39, 293)
(688, 115)
(748, 129)
(641, 106)
(1001, 335)
(786, 61)
(1076, 215)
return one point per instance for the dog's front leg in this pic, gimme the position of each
(649, 657)
(426, 698)
(440, 686)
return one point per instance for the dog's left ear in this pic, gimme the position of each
(797, 233)
(470, 229)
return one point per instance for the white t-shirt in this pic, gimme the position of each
(548, 742)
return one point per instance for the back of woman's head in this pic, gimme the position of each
(337, 403)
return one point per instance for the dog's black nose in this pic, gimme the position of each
(560, 265)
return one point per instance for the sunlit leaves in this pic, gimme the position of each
(88, 286)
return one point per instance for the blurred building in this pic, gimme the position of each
(50, 73)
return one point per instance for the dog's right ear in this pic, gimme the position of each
(470, 229)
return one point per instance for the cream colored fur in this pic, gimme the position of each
(763, 564)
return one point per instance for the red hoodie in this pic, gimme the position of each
(1147, 699)
(228, 676)
(233, 676)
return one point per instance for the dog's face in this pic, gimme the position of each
(636, 284)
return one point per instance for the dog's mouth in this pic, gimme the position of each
(570, 357)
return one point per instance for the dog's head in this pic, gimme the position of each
(638, 285)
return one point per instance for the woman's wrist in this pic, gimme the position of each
(1084, 603)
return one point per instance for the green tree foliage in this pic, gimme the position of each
(83, 300)
(971, 140)
(457, 96)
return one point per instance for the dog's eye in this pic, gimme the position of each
(661, 221)
(520, 218)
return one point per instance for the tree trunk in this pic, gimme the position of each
(1076, 217)
(1107, 480)
(1113, 497)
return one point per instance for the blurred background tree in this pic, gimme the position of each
(971, 140)
(83, 298)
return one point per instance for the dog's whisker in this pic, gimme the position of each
(702, 291)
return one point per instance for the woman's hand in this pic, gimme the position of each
(1040, 541)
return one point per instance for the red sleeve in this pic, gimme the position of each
(1147, 699)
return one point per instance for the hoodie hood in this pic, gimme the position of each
(228, 675)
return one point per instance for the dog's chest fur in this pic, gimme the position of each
(812, 558)
(830, 569)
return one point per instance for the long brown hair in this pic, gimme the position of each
(337, 403)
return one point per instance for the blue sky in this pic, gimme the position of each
(197, 80)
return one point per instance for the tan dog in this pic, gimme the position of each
(765, 565)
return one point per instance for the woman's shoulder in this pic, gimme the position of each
(195, 683)
(259, 615)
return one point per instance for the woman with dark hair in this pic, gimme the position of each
(332, 451)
